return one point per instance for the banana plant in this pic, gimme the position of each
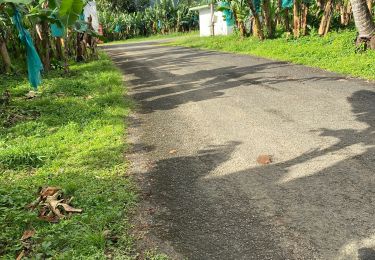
(6, 28)
(240, 11)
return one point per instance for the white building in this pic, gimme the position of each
(90, 10)
(221, 27)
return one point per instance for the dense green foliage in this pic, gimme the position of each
(261, 18)
(335, 52)
(70, 135)
(75, 37)
(163, 17)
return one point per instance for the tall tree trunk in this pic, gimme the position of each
(267, 18)
(45, 45)
(362, 18)
(296, 18)
(326, 19)
(345, 11)
(304, 11)
(5, 56)
(257, 27)
(59, 48)
(364, 23)
(242, 28)
(286, 21)
(79, 48)
(278, 13)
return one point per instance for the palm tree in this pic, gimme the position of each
(364, 23)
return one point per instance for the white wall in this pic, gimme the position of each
(90, 9)
(220, 26)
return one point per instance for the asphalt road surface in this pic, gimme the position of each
(204, 117)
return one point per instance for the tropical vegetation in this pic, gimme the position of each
(163, 17)
(335, 52)
(265, 19)
(68, 132)
(43, 35)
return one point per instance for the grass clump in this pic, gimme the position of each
(336, 52)
(70, 135)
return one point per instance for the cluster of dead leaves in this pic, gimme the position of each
(52, 205)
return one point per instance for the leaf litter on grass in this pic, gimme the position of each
(53, 205)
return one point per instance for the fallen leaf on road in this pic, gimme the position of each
(264, 159)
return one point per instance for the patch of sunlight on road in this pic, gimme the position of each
(355, 248)
(319, 163)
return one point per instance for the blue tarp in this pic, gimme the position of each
(57, 31)
(229, 17)
(117, 28)
(257, 5)
(34, 65)
(287, 3)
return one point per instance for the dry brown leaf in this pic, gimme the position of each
(53, 206)
(49, 191)
(50, 217)
(21, 255)
(264, 159)
(47, 215)
(69, 208)
(28, 234)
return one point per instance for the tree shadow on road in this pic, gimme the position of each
(318, 204)
(159, 80)
(207, 218)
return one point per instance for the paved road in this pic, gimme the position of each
(209, 198)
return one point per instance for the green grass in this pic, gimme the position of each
(336, 52)
(72, 135)
(154, 37)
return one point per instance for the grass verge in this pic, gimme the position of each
(336, 52)
(154, 37)
(70, 135)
